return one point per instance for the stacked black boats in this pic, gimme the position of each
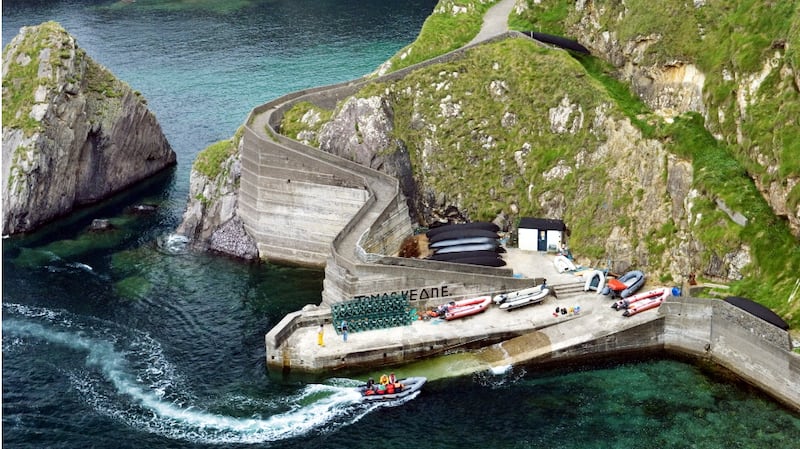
(469, 243)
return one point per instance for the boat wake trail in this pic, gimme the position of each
(131, 381)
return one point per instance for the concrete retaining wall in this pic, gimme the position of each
(757, 352)
(711, 330)
(294, 204)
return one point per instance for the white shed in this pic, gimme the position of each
(541, 234)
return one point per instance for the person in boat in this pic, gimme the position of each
(384, 380)
(370, 383)
(396, 386)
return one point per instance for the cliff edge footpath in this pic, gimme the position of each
(73, 134)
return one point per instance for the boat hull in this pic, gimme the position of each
(641, 306)
(595, 280)
(526, 300)
(632, 281)
(661, 292)
(503, 297)
(447, 257)
(462, 241)
(462, 234)
(411, 386)
(484, 225)
(467, 247)
(467, 307)
(495, 261)
(563, 264)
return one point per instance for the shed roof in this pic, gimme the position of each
(547, 224)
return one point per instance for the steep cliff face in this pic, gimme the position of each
(734, 62)
(72, 133)
(362, 131)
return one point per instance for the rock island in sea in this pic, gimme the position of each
(73, 134)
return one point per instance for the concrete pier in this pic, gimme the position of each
(707, 329)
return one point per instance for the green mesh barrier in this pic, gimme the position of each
(364, 314)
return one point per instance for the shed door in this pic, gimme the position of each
(542, 242)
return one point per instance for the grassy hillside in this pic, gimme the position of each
(726, 39)
(451, 25)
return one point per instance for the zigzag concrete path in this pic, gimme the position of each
(382, 190)
(495, 23)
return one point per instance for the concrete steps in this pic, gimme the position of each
(568, 290)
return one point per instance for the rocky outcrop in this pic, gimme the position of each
(73, 134)
(210, 219)
(361, 131)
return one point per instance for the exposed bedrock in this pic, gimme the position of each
(73, 134)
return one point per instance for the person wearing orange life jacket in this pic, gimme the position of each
(397, 386)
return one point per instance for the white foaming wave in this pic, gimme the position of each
(152, 366)
(398, 402)
(148, 358)
(315, 408)
(497, 377)
(49, 315)
(11, 343)
(500, 370)
(81, 266)
(198, 426)
(173, 243)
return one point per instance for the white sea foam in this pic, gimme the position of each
(500, 370)
(81, 266)
(173, 243)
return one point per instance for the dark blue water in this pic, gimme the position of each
(127, 339)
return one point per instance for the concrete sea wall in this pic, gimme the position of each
(756, 351)
(702, 329)
(695, 328)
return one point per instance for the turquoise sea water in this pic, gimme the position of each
(128, 339)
